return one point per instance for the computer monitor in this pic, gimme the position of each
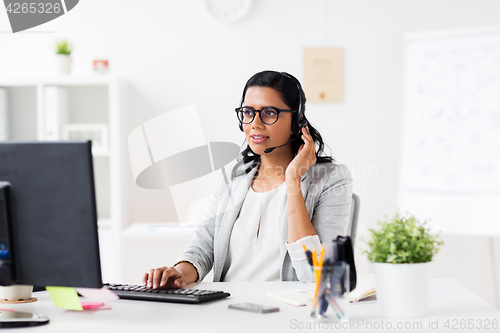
(48, 216)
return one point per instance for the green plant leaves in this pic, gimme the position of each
(63, 47)
(402, 240)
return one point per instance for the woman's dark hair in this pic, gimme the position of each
(292, 94)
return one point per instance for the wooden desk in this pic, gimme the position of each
(451, 304)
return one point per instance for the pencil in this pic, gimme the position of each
(317, 271)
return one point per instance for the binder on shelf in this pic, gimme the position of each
(4, 116)
(56, 112)
(97, 133)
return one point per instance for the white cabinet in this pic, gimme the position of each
(55, 108)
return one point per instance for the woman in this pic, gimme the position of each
(278, 195)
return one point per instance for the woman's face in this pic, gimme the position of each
(259, 135)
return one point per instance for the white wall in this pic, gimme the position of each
(173, 53)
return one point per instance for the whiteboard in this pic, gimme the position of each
(451, 126)
(450, 158)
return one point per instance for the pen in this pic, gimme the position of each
(324, 278)
(322, 255)
(318, 267)
(308, 256)
(316, 276)
(336, 279)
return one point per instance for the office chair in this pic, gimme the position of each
(353, 221)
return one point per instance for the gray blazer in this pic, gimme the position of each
(327, 191)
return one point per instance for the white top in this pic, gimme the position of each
(254, 247)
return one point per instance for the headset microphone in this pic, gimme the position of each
(303, 124)
(268, 150)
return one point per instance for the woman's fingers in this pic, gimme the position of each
(163, 276)
(180, 282)
(145, 279)
(153, 277)
(306, 156)
(150, 277)
(306, 136)
(171, 278)
(158, 273)
(309, 142)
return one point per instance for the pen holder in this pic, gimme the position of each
(331, 295)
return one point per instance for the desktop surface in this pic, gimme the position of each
(451, 304)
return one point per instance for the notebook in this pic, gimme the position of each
(364, 291)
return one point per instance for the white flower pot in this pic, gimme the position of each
(403, 289)
(63, 63)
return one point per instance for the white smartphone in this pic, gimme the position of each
(252, 307)
(21, 319)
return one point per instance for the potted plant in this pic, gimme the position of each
(401, 251)
(63, 57)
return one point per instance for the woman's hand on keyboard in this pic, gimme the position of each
(164, 277)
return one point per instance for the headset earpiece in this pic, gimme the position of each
(299, 124)
(241, 126)
(302, 124)
(300, 121)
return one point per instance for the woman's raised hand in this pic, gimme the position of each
(304, 160)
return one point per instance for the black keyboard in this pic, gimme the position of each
(143, 293)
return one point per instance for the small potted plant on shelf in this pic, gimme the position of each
(63, 57)
(401, 251)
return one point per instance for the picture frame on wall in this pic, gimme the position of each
(97, 133)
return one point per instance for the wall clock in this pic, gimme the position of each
(228, 10)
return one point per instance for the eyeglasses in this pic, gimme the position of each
(269, 115)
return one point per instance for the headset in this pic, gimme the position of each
(297, 125)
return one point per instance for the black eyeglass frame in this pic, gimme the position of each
(278, 111)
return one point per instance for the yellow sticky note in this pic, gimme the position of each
(65, 297)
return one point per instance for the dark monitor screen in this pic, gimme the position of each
(52, 213)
